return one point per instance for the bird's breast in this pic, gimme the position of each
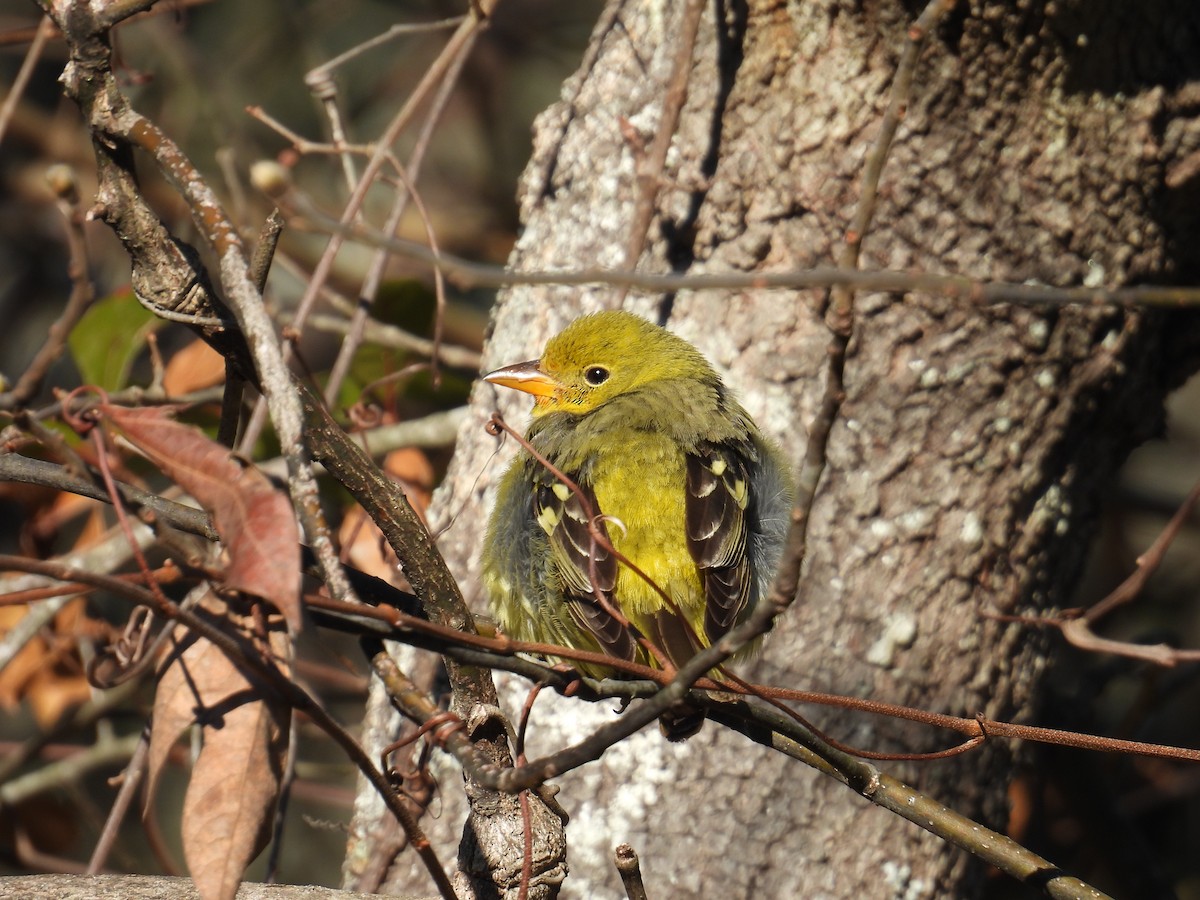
(641, 483)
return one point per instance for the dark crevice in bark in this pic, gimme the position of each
(680, 236)
(1174, 202)
(1120, 47)
(1178, 213)
(1111, 414)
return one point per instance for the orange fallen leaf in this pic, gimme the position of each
(193, 368)
(412, 469)
(46, 673)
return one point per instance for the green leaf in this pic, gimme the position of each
(109, 338)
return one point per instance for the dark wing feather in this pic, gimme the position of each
(717, 496)
(578, 559)
(613, 637)
(673, 636)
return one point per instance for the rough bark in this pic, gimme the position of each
(1043, 141)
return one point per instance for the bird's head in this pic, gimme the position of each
(599, 357)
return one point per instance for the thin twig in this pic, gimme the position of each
(459, 43)
(403, 29)
(102, 704)
(98, 755)
(306, 146)
(523, 797)
(16, 36)
(45, 28)
(467, 274)
(279, 818)
(526, 846)
(1078, 633)
(408, 175)
(1147, 563)
(500, 653)
(386, 335)
(134, 395)
(148, 579)
(55, 442)
(130, 779)
(630, 870)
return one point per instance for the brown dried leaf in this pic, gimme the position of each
(193, 368)
(231, 797)
(175, 703)
(254, 519)
(235, 782)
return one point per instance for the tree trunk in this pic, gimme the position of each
(1042, 141)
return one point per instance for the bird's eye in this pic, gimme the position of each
(596, 375)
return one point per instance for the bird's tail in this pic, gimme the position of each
(681, 722)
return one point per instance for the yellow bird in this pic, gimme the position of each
(688, 489)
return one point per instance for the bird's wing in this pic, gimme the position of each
(718, 492)
(581, 562)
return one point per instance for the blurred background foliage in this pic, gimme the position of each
(194, 67)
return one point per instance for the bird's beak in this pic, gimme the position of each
(525, 377)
